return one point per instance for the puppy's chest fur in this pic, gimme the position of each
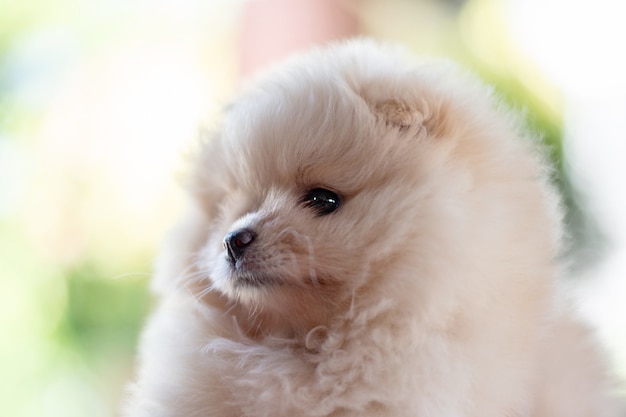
(337, 371)
(363, 366)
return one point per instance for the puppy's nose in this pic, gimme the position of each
(236, 242)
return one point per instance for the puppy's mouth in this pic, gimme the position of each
(246, 272)
(246, 278)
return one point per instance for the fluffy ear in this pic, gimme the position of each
(423, 115)
(398, 113)
(409, 104)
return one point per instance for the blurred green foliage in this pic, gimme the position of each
(102, 314)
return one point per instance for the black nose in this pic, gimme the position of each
(236, 242)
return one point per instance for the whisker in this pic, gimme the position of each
(312, 272)
(230, 309)
(209, 288)
(310, 251)
(289, 231)
(123, 275)
(184, 274)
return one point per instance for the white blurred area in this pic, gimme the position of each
(580, 46)
(110, 119)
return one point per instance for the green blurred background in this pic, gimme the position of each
(99, 100)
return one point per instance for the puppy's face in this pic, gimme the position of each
(328, 188)
(310, 192)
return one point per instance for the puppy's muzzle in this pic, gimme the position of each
(236, 243)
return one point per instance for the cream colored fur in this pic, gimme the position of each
(430, 291)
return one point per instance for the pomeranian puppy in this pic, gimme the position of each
(368, 237)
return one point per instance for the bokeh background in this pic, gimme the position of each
(99, 101)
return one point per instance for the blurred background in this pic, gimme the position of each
(100, 99)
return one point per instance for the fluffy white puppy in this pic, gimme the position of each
(369, 237)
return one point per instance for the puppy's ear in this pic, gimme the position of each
(426, 115)
(409, 104)
(398, 113)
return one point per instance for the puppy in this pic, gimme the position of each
(368, 237)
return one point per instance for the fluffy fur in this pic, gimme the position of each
(429, 292)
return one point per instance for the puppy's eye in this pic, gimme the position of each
(321, 200)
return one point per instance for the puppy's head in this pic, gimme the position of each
(349, 177)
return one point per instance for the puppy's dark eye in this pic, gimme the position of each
(321, 200)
